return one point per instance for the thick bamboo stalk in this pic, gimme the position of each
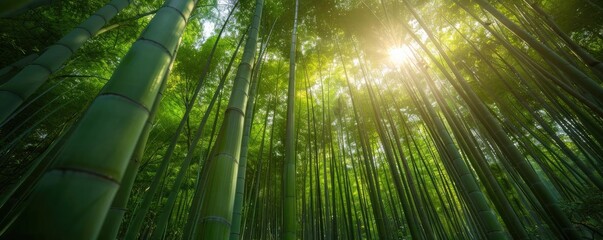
(8, 72)
(16, 90)
(119, 205)
(216, 209)
(138, 217)
(235, 231)
(73, 197)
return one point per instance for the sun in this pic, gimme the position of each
(400, 55)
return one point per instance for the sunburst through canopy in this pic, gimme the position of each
(400, 54)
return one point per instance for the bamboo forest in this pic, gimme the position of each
(301, 119)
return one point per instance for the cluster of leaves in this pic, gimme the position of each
(339, 41)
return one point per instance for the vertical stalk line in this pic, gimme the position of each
(581, 79)
(137, 221)
(289, 227)
(409, 184)
(514, 156)
(167, 209)
(22, 85)
(373, 183)
(587, 171)
(242, 205)
(119, 205)
(389, 155)
(235, 231)
(220, 185)
(193, 213)
(475, 198)
(587, 58)
(95, 157)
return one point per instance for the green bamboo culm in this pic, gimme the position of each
(289, 204)
(137, 220)
(222, 167)
(237, 213)
(72, 199)
(116, 213)
(8, 72)
(593, 63)
(465, 180)
(119, 205)
(578, 77)
(25, 83)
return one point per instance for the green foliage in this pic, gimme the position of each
(587, 212)
(345, 165)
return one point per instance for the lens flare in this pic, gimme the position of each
(399, 55)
